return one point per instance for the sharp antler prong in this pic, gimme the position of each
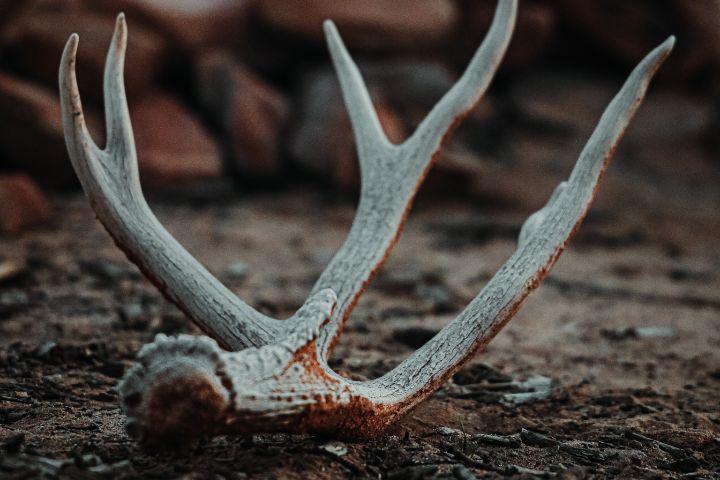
(110, 179)
(471, 86)
(359, 105)
(77, 136)
(117, 115)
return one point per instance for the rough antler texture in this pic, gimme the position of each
(185, 387)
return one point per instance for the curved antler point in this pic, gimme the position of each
(71, 46)
(120, 33)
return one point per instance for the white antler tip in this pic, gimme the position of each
(72, 44)
(67, 64)
(654, 59)
(669, 43)
(329, 27)
(120, 35)
(332, 37)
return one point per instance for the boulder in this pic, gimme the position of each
(32, 138)
(174, 149)
(371, 24)
(22, 203)
(248, 112)
(34, 41)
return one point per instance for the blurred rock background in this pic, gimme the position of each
(231, 95)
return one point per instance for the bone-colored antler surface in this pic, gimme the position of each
(185, 387)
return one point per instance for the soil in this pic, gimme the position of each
(621, 344)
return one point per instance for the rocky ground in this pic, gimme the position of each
(618, 349)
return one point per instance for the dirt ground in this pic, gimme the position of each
(621, 343)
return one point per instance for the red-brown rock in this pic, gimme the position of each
(31, 137)
(21, 203)
(372, 24)
(249, 113)
(189, 23)
(35, 40)
(173, 148)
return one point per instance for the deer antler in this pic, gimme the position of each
(184, 387)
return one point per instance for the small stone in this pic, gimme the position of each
(21, 204)
(249, 113)
(50, 352)
(174, 150)
(38, 35)
(450, 432)
(536, 388)
(639, 333)
(11, 270)
(654, 332)
(372, 24)
(335, 448)
(237, 271)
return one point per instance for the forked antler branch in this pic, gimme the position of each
(187, 386)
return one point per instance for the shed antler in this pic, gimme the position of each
(186, 386)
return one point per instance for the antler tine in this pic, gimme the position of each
(364, 119)
(391, 174)
(77, 137)
(542, 239)
(468, 90)
(111, 182)
(120, 138)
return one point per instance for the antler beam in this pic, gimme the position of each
(185, 387)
